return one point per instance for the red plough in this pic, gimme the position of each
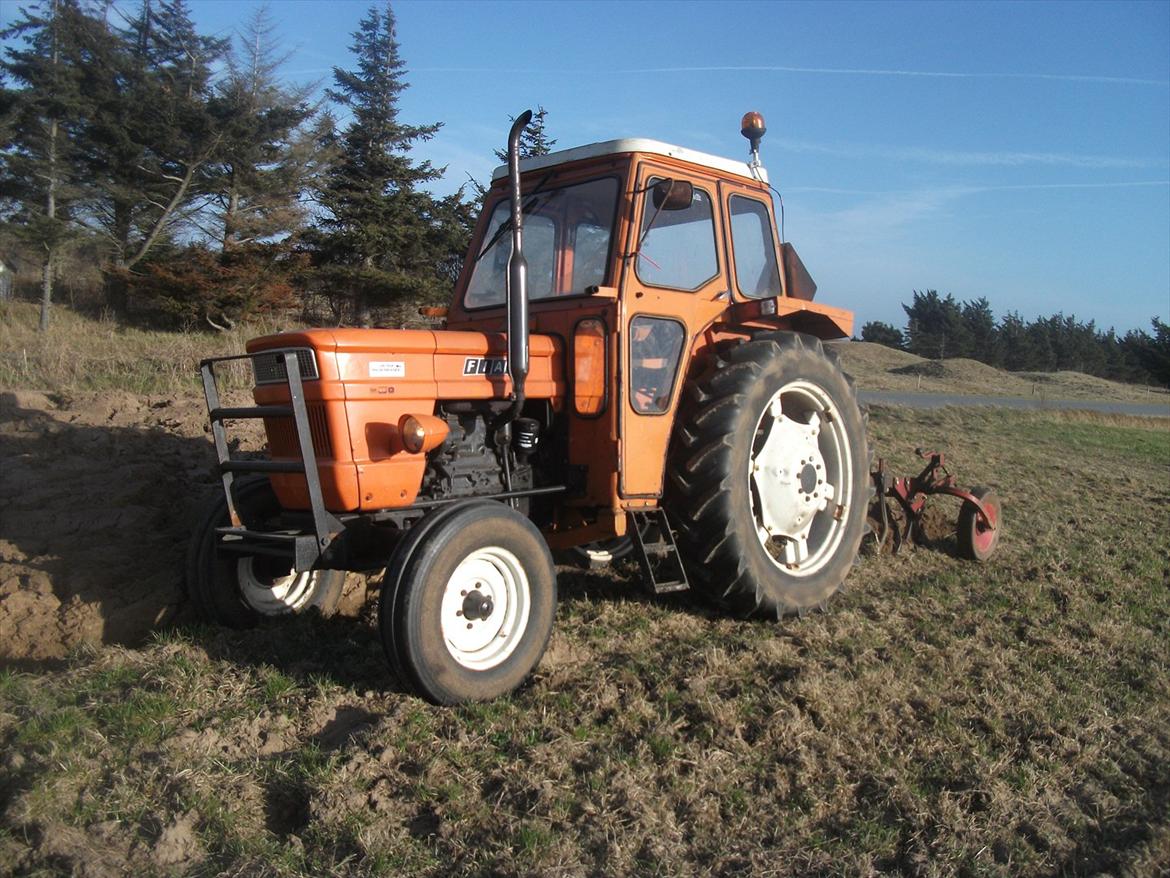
(897, 515)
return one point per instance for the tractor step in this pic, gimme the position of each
(658, 556)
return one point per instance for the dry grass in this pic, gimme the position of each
(83, 353)
(942, 718)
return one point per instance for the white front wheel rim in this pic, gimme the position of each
(274, 595)
(485, 608)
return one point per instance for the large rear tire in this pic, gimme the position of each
(239, 591)
(769, 476)
(469, 604)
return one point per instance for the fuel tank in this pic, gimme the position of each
(360, 382)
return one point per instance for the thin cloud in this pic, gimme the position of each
(940, 74)
(889, 218)
(777, 68)
(971, 190)
(968, 158)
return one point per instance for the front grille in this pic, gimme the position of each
(268, 366)
(282, 434)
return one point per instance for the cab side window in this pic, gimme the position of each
(756, 272)
(677, 248)
(655, 347)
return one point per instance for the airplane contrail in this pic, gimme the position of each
(866, 71)
(776, 68)
(974, 189)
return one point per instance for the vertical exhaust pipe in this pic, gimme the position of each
(517, 276)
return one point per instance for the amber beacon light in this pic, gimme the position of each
(752, 127)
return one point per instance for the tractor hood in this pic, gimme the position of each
(359, 383)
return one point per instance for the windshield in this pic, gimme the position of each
(567, 233)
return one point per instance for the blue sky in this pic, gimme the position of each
(1015, 151)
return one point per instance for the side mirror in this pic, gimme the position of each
(672, 195)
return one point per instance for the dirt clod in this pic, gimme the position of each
(179, 842)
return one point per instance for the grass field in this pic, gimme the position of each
(942, 718)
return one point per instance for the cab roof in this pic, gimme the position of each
(636, 144)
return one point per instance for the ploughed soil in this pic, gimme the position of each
(99, 493)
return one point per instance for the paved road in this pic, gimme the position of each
(1160, 409)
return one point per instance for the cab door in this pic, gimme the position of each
(674, 283)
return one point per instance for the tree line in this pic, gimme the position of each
(939, 327)
(206, 188)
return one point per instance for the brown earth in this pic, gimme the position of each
(99, 494)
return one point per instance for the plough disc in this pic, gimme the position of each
(898, 514)
(978, 539)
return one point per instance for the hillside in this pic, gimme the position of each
(876, 367)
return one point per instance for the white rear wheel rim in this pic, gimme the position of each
(494, 575)
(800, 479)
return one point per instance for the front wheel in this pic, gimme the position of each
(238, 591)
(769, 476)
(472, 606)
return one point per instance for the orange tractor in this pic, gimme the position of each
(632, 363)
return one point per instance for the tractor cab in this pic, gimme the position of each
(639, 253)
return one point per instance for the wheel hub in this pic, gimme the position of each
(796, 483)
(476, 606)
(789, 475)
(485, 608)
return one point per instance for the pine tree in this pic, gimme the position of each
(979, 324)
(1014, 342)
(935, 327)
(533, 140)
(381, 233)
(883, 333)
(270, 151)
(149, 134)
(39, 172)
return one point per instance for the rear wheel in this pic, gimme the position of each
(470, 608)
(978, 540)
(769, 476)
(238, 591)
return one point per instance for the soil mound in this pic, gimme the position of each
(98, 494)
(926, 368)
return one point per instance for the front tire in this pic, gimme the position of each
(238, 591)
(472, 607)
(769, 481)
